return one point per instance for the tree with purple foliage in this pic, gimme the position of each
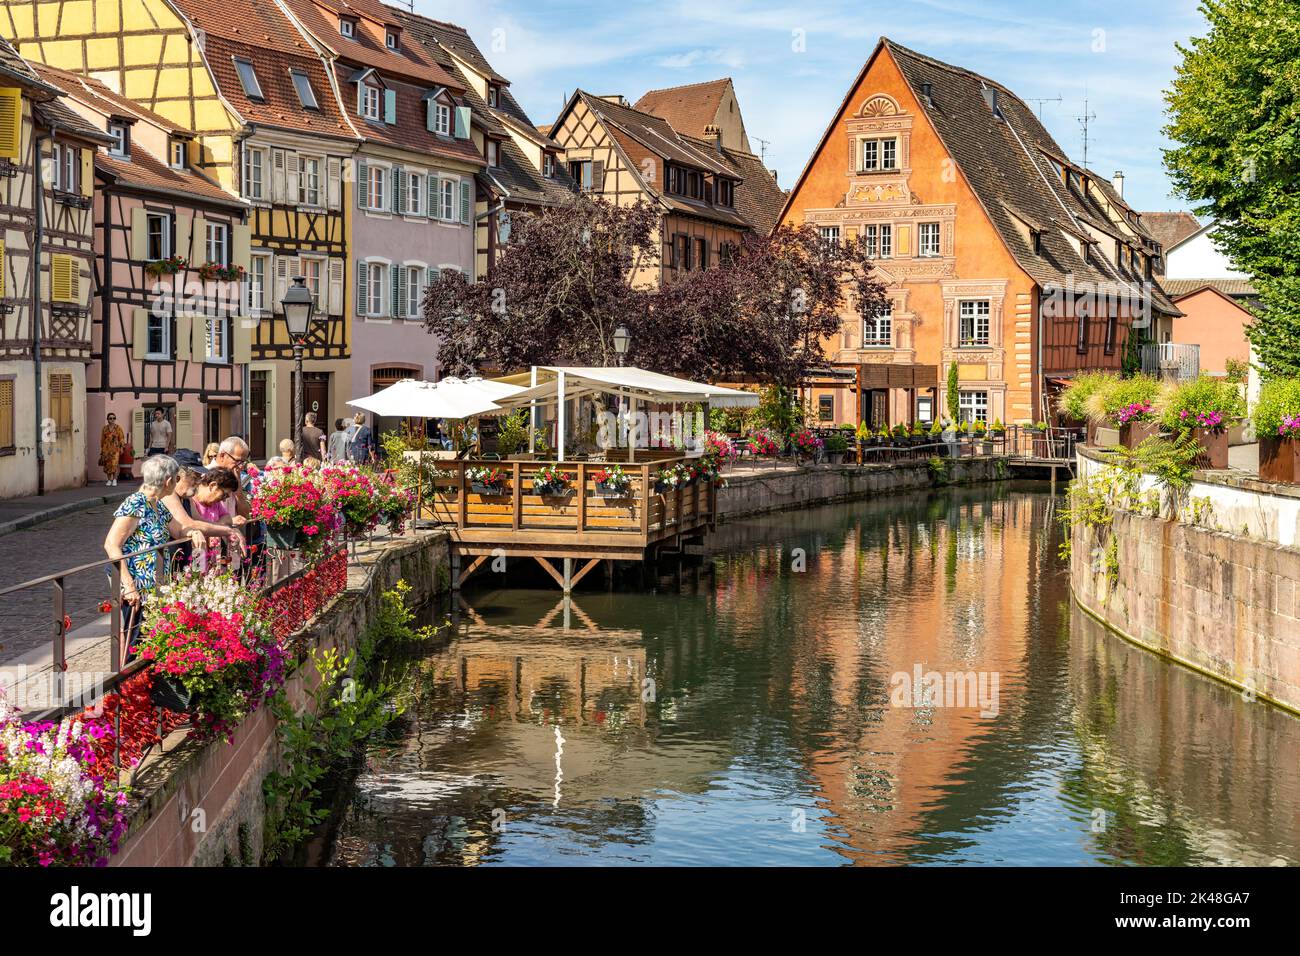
(569, 278)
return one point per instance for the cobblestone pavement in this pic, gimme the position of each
(26, 618)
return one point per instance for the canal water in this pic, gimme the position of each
(790, 702)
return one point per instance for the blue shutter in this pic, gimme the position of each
(390, 107)
(363, 290)
(462, 122)
(466, 203)
(362, 184)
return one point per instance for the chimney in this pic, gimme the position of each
(991, 98)
(713, 134)
(1118, 182)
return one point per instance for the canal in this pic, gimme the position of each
(782, 708)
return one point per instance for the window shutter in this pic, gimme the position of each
(87, 172)
(137, 431)
(466, 202)
(139, 234)
(363, 288)
(431, 207)
(199, 241)
(598, 176)
(181, 238)
(140, 334)
(61, 271)
(11, 123)
(283, 265)
(242, 335)
(3, 269)
(334, 300)
(396, 293)
(363, 184)
(198, 344)
(184, 428)
(430, 113)
(430, 276)
(390, 107)
(398, 203)
(182, 338)
(241, 243)
(291, 161)
(333, 182)
(462, 122)
(7, 413)
(278, 176)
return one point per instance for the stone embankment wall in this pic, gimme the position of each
(202, 804)
(758, 493)
(1205, 595)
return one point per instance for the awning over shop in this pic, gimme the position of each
(637, 383)
(891, 375)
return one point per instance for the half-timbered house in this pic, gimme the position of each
(176, 340)
(999, 255)
(268, 127)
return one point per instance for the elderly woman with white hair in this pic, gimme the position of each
(143, 521)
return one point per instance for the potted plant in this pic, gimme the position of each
(165, 267)
(998, 431)
(512, 435)
(669, 478)
(295, 506)
(612, 482)
(485, 480)
(837, 447)
(982, 437)
(1206, 407)
(805, 443)
(551, 482)
(763, 443)
(352, 491)
(1073, 400)
(864, 434)
(1277, 426)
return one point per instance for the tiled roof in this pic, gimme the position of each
(57, 113)
(368, 44)
(1233, 288)
(452, 38)
(688, 108)
(1008, 163)
(13, 64)
(260, 33)
(759, 199)
(1170, 228)
(523, 181)
(655, 134)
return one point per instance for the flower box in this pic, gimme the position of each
(479, 488)
(553, 489)
(170, 694)
(1104, 436)
(283, 537)
(1214, 447)
(610, 491)
(1279, 459)
(1135, 433)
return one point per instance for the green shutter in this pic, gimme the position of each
(363, 291)
(431, 207)
(399, 190)
(394, 276)
(363, 184)
(466, 202)
(390, 107)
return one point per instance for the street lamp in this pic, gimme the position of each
(298, 304)
(622, 339)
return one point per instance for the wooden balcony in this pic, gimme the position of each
(583, 523)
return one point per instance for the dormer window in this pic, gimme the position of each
(442, 119)
(370, 101)
(391, 40)
(548, 165)
(306, 95)
(492, 97)
(347, 28)
(120, 139)
(177, 150)
(248, 79)
(493, 153)
(725, 193)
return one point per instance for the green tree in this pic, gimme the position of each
(1234, 111)
(954, 395)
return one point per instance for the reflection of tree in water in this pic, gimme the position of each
(552, 699)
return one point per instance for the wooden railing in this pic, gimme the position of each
(582, 509)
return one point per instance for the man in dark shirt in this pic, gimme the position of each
(311, 440)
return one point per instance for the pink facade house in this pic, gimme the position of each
(171, 250)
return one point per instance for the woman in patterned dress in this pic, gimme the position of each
(111, 442)
(143, 521)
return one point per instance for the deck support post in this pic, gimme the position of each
(455, 569)
(568, 575)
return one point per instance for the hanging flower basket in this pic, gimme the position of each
(284, 537)
(170, 694)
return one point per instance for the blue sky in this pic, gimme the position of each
(1120, 54)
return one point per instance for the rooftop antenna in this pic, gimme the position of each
(762, 149)
(1040, 100)
(1084, 120)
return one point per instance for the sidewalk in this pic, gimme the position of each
(18, 513)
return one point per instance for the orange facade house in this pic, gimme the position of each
(998, 254)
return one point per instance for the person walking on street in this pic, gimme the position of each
(311, 440)
(161, 435)
(111, 442)
(361, 445)
(338, 442)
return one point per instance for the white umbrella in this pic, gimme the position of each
(413, 398)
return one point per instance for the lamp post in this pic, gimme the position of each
(622, 339)
(298, 304)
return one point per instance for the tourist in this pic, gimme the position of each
(142, 521)
(233, 454)
(311, 440)
(111, 442)
(204, 499)
(338, 441)
(210, 454)
(310, 464)
(160, 435)
(361, 446)
(286, 457)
